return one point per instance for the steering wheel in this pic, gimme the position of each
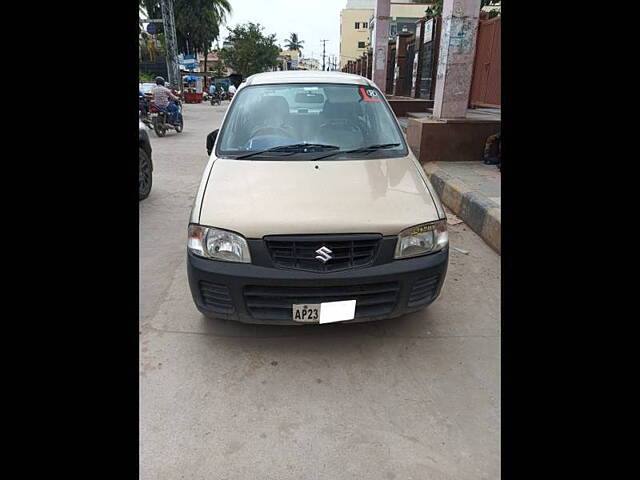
(261, 131)
(348, 125)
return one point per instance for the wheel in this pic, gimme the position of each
(145, 176)
(159, 128)
(180, 124)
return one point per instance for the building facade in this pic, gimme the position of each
(357, 19)
(309, 64)
(354, 29)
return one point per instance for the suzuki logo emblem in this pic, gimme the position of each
(324, 254)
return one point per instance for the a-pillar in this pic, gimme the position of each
(380, 43)
(455, 59)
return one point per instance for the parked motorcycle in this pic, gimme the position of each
(160, 119)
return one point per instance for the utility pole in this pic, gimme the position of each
(323, 52)
(381, 43)
(171, 44)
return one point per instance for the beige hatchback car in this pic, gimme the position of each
(312, 209)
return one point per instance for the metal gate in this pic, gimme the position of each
(485, 85)
(430, 61)
(391, 62)
(407, 76)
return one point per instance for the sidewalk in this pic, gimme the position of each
(471, 190)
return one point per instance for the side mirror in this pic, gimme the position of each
(211, 141)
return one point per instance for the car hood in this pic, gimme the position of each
(258, 197)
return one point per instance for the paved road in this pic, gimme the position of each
(411, 398)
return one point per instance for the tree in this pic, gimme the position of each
(153, 11)
(251, 51)
(293, 43)
(435, 9)
(218, 69)
(197, 22)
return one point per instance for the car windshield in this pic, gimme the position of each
(147, 87)
(332, 116)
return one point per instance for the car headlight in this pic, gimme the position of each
(218, 244)
(422, 239)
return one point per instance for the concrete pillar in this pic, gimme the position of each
(455, 59)
(380, 43)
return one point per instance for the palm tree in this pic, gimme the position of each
(293, 43)
(220, 10)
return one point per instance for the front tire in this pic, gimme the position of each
(145, 176)
(159, 128)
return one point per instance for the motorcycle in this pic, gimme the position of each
(160, 119)
(144, 105)
(216, 98)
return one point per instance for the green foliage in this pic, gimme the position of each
(218, 69)
(435, 9)
(293, 43)
(252, 52)
(146, 78)
(197, 21)
(153, 10)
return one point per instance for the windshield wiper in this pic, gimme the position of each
(294, 147)
(369, 149)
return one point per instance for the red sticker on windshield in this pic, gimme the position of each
(369, 94)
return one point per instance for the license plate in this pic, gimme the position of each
(309, 313)
(326, 312)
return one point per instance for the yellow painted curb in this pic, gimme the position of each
(491, 229)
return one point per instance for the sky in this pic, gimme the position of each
(312, 20)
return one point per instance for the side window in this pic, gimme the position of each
(357, 25)
(364, 25)
(360, 44)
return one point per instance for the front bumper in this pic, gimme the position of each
(257, 294)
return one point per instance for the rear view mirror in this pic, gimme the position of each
(309, 98)
(211, 141)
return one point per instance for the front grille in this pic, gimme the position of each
(216, 297)
(423, 290)
(347, 251)
(275, 302)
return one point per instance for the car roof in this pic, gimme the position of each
(306, 76)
